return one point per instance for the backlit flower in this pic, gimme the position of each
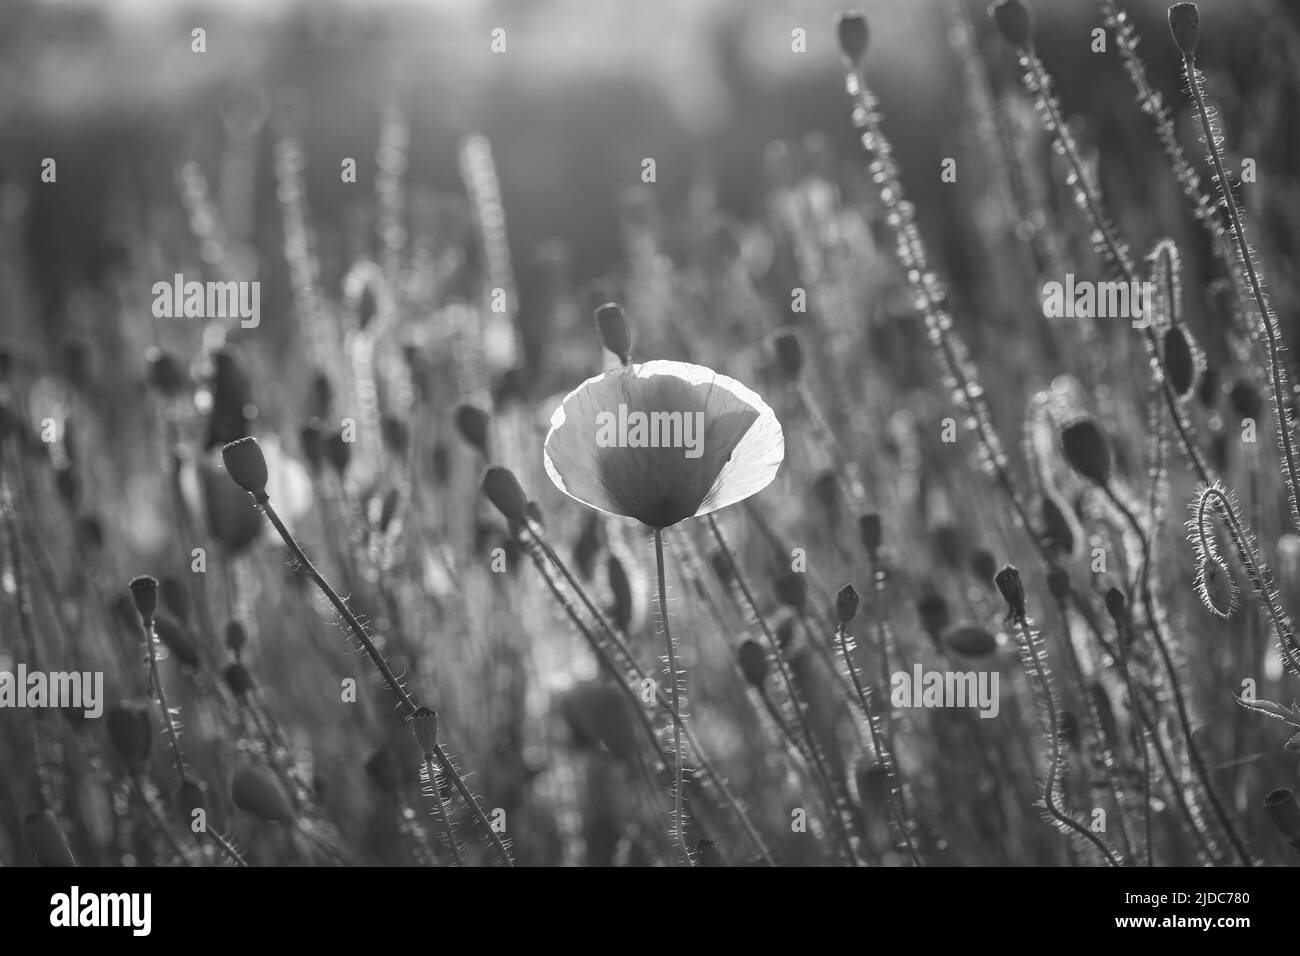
(662, 441)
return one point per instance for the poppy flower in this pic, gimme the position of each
(661, 442)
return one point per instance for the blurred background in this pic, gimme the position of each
(521, 171)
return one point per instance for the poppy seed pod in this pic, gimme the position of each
(1285, 813)
(424, 725)
(789, 352)
(246, 464)
(1012, 589)
(144, 592)
(1087, 450)
(1185, 25)
(791, 588)
(611, 325)
(846, 604)
(255, 790)
(472, 423)
(503, 490)
(130, 730)
(753, 662)
(1014, 22)
(970, 641)
(871, 533)
(851, 28)
(46, 841)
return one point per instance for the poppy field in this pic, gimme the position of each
(909, 481)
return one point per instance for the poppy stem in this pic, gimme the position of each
(678, 827)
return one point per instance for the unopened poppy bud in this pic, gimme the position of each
(255, 790)
(503, 490)
(236, 637)
(851, 28)
(1057, 534)
(753, 662)
(1180, 361)
(983, 565)
(395, 434)
(66, 484)
(722, 566)
(130, 730)
(424, 724)
(46, 840)
(339, 452)
(611, 323)
(144, 591)
(846, 604)
(191, 796)
(1117, 607)
(789, 352)
(791, 589)
(1058, 583)
(165, 374)
(384, 772)
(933, 611)
(1014, 22)
(1216, 587)
(1087, 450)
(311, 439)
(1285, 813)
(238, 679)
(246, 464)
(1245, 400)
(1185, 25)
(1012, 589)
(472, 423)
(970, 641)
(871, 532)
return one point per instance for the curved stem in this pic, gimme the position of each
(1276, 375)
(1180, 702)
